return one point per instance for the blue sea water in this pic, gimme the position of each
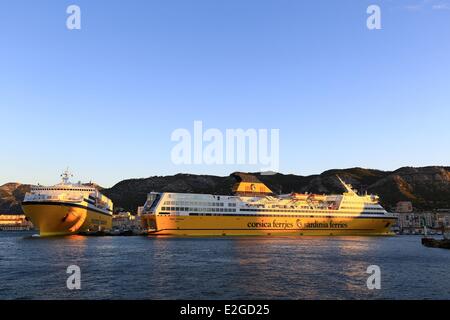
(221, 268)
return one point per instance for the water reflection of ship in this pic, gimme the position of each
(305, 268)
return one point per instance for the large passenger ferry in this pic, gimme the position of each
(256, 210)
(67, 208)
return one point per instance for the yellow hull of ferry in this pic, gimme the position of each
(266, 226)
(63, 219)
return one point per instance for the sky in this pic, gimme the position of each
(104, 100)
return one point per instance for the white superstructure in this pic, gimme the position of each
(81, 194)
(349, 204)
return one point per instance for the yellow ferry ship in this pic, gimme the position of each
(256, 210)
(67, 208)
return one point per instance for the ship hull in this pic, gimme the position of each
(56, 219)
(267, 226)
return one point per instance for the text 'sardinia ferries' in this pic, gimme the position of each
(255, 210)
(67, 208)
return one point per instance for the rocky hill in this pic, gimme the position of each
(10, 196)
(427, 187)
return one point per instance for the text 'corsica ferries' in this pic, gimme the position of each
(67, 208)
(255, 210)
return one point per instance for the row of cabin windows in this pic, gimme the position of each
(197, 203)
(287, 207)
(198, 209)
(272, 210)
(357, 203)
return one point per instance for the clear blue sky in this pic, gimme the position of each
(105, 99)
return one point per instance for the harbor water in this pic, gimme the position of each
(221, 268)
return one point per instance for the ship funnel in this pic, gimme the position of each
(250, 186)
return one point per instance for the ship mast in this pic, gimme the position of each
(347, 187)
(66, 175)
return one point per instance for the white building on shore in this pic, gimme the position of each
(126, 221)
(14, 223)
(411, 222)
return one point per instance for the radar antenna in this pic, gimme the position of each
(66, 175)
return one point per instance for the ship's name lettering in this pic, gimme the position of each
(274, 224)
(322, 225)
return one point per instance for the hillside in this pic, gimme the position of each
(427, 187)
(10, 196)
